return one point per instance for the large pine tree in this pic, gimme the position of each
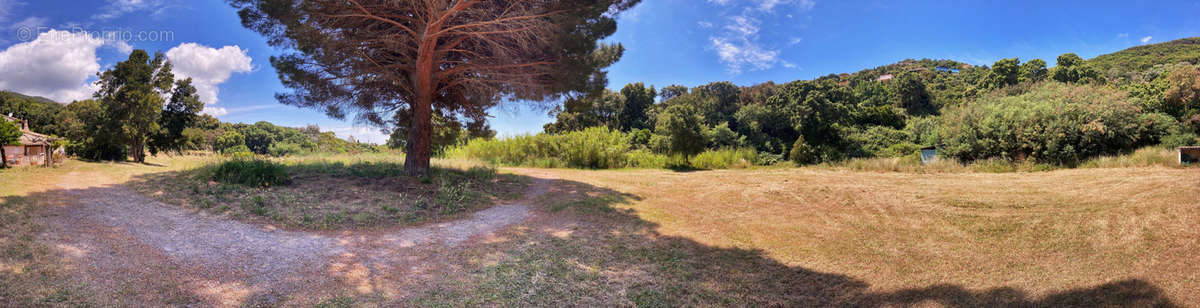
(393, 62)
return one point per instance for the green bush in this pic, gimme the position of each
(882, 141)
(1180, 139)
(1053, 123)
(251, 172)
(646, 159)
(241, 148)
(802, 153)
(280, 149)
(725, 159)
(592, 148)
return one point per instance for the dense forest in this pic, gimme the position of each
(1012, 110)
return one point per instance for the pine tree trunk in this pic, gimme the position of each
(420, 132)
(418, 150)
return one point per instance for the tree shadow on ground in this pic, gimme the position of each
(591, 250)
(581, 247)
(317, 195)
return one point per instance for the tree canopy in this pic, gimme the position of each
(9, 134)
(391, 62)
(131, 99)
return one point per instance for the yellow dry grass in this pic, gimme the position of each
(1039, 233)
(759, 237)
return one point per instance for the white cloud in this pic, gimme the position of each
(121, 46)
(739, 49)
(739, 54)
(361, 133)
(57, 65)
(1147, 39)
(770, 5)
(208, 67)
(215, 111)
(1122, 35)
(116, 8)
(739, 46)
(221, 111)
(31, 23)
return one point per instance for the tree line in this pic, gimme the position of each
(894, 110)
(142, 109)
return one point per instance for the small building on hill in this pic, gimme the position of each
(33, 149)
(885, 78)
(1189, 155)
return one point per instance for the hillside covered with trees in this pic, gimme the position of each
(1011, 110)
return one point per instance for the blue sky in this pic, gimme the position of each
(687, 42)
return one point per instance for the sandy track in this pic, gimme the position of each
(116, 237)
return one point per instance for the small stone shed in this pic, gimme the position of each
(34, 149)
(1189, 155)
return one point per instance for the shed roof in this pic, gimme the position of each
(32, 138)
(1190, 148)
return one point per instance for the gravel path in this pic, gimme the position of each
(109, 230)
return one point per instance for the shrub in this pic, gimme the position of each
(770, 159)
(646, 159)
(280, 149)
(882, 141)
(251, 172)
(241, 148)
(802, 153)
(1180, 139)
(1144, 157)
(725, 159)
(593, 148)
(1054, 123)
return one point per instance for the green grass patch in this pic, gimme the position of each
(333, 192)
(251, 172)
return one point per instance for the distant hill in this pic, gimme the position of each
(1143, 57)
(39, 111)
(39, 99)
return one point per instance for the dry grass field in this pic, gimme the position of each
(766, 237)
(1070, 237)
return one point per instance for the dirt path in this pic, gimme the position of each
(119, 239)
